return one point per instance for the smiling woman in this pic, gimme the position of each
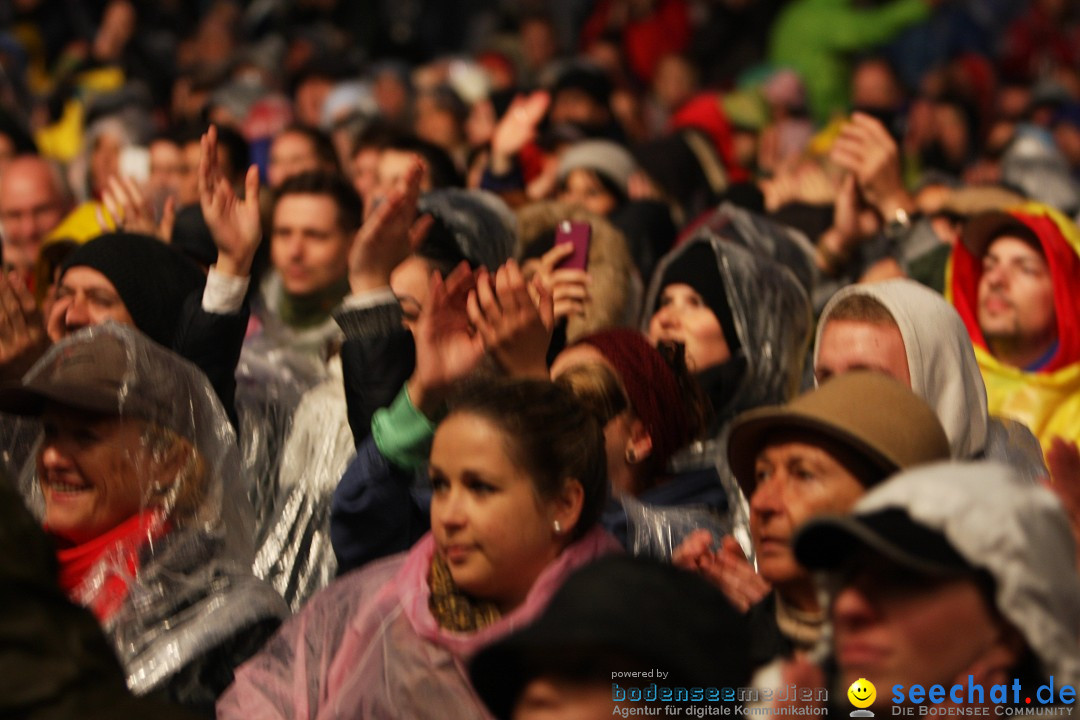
(518, 481)
(132, 470)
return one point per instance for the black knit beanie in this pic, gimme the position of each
(151, 278)
(697, 267)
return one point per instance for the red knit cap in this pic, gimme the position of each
(650, 385)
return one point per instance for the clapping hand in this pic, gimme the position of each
(447, 347)
(22, 330)
(726, 568)
(389, 234)
(234, 222)
(514, 329)
(132, 211)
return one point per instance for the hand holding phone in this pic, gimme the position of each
(577, 234)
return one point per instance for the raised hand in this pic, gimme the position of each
(515, 330)
(131, 210)
(568, 287)
(517, 128)
(234, 223)
(447, 348)
(390, 234)
(22, 330)
(866, 149)
(1063, 461)
(726, 568)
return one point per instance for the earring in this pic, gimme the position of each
(631, 456)
(558, 527)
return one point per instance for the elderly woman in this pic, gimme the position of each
(813, 456)
(138, 470)
(518, 483)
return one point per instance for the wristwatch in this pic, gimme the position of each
(898, 225)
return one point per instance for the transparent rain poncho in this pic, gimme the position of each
(369, 646)
(316, 443)
(138, 433)
(278, 364)
(770, 310)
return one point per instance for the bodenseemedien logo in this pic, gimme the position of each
(862, 694)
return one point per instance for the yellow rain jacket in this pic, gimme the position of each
(1046, 400)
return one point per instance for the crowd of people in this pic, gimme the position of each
(468, 360)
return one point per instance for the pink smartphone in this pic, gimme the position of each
(577, 234)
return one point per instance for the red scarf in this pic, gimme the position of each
(98, 573)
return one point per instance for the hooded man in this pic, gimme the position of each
(1013, 280)
(952, 579)
(911, 333)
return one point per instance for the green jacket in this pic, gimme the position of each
(817, 38)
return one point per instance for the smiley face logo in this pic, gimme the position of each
(862, 693)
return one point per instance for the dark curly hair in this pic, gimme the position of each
(550, 434)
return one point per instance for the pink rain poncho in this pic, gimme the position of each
(368, 646)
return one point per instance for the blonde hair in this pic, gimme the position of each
(182, 496)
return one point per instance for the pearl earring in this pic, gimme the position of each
(558, 527)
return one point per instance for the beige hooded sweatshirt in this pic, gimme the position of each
(945, 374)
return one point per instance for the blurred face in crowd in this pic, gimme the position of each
(92, 469)
(308, 246)
(365, 168)
(290, 154)
(895, 626)
(797, 476)
(857, 345)
(684, 317)
(104, 160)
(84, 297)
(488, 520)
(409, 281)
(675, 81)
(167, 171)
(538, 44)
(578, 107)
(1016, 301)
(437, 124)
(189, 174)
(392, 168)
(874, 87)
(391, 95)
(31, 206)
(310, 96)
(583, 189)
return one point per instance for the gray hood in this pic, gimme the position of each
(940, 358)
(1013, 530)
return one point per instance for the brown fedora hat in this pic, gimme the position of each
(876, 418)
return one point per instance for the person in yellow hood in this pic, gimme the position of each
(1015, 280)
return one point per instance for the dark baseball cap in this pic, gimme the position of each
(98, 370)
(829, 543)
